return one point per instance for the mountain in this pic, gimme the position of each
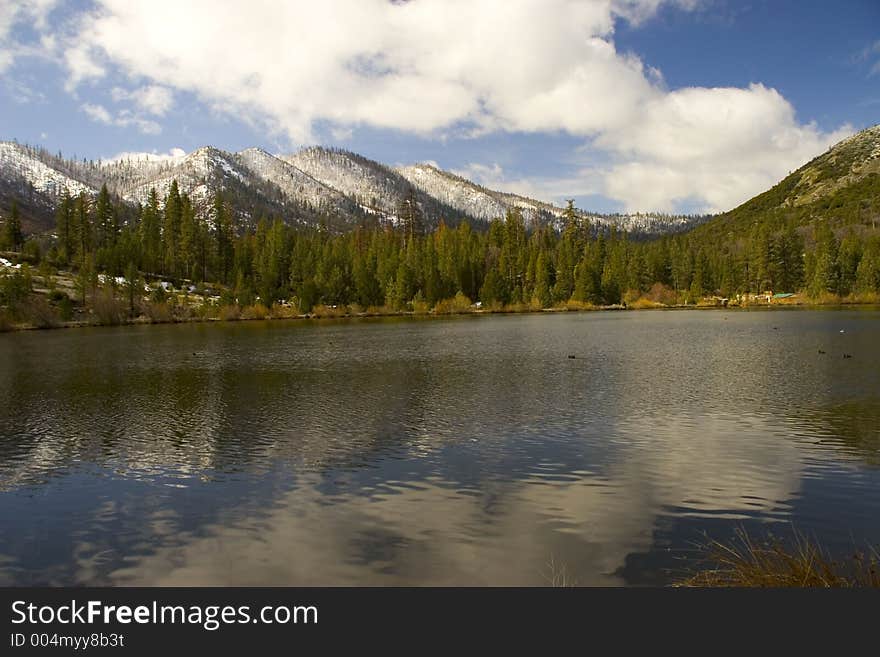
(472, 199)
(477, 201)
(378, 190)
(841, 187)
(314, 185)
(294, 183)
(36, 186)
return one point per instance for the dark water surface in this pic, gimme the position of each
(460, 451)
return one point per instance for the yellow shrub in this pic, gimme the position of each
(256, 311)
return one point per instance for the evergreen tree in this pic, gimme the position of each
(171, 230)
(64, 227)
(13, 235)
(150, 234)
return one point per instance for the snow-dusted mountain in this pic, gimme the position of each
(477, 201)
(458, 193)
(294, 183)
(315, 184)
(368, 183)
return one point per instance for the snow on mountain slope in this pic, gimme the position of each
(455, 192)
(19, 165)
(311, 185)
(477, 201)
(296, 185)
(200, 174)
(129, 173)
(369, 184)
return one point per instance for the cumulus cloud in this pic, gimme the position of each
(14, 13)
(583, 182)
(152, 99)
(453, 67)
(717, 146)
(122, 119)
(152, 156)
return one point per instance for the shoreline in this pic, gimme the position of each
(479, 312)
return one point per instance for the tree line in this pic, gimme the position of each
(508, 264)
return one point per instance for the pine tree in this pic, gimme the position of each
(63, 226)
(171, 230)
(83, 231)
(105, 221)
(824, 274)
(14, 237)
(150, 234)
(223, 234)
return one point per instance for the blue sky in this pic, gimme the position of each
(678, 105)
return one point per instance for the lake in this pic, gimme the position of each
(461, 451)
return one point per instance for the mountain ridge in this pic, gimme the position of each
(312, 185)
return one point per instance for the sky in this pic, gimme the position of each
(623, 105)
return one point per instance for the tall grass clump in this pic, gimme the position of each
(773, 563)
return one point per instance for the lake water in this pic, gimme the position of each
(469, 450)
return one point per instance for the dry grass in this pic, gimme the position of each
(557, 574)
(256, 311)
(159, 313)
(278, 311)
(36, 311)
(826, 299)
(229, 313)
(322, 310)
(869, 298)
(642, 303)
(773, 563)
(109, 311)
(578, 305)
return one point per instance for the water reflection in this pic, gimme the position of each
(469, 451)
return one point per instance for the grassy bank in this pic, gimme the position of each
(775, 563)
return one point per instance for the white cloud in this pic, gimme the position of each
(122, 119)
(636, 11)
(452, 67)
(716, 146)
(97, 113)
(871, 55)
(138, 156)
(14, 13)
(153, 99)
(584, 182)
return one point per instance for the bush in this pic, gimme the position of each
(662, 294)
(279, 311)
(256, 311)
(419, 305)
(643, 303)
(15, 287)
(109, 310)
(454, 306)
(329, 311)
(229, 313)
(37, 312)
(159, 313)
(159, 295)
(65, 308)
(57, 296)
